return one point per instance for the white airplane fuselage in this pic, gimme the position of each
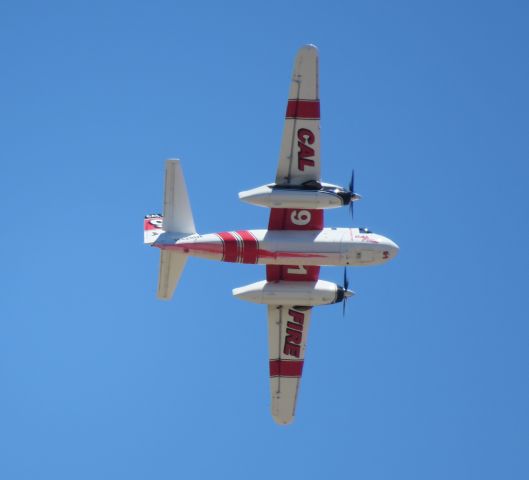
(329, 246)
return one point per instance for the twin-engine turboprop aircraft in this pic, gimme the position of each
(293, 247)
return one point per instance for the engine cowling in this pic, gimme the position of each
(292, 293)
(274, 196)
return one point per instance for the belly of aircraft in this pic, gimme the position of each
(266, 247)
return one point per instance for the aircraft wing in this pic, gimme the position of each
(288, 325)
(299, 162)
(287, 335)
(299, 159)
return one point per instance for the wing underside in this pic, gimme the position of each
(299, 163)
(287, 335)
(299, 158)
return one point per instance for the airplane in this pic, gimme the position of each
(294, 246)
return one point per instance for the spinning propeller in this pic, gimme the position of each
(346, 293)
(354, 196)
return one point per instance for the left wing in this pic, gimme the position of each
(287, 336)
(299, 158)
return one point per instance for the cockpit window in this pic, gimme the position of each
(364, 230)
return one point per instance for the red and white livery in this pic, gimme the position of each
(293, 247)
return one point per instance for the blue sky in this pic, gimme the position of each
(426, 377)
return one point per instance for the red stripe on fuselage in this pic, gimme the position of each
(231, 248)
(286, 368)
(309, 109)
(239, 247)
(249, 247)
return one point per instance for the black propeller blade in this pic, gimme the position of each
(352, 189)
(346, 288)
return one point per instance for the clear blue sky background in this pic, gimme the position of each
(427, 377)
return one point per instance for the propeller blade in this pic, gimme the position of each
(352, 191)
(346, 287)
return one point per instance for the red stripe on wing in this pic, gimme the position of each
(295, 219)
(286, 368)
(308, 109)
(292, 273)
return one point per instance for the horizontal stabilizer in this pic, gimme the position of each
(171, 267)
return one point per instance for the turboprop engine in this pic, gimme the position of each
(310, 195)
(293, 293)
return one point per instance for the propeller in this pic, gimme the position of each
(354, 196)
(347, 293)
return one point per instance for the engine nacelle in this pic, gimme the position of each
(320, 196)
(292, 293)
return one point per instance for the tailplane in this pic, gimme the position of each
(171, 267)
(177, 221)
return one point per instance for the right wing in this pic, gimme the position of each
(299, 159)
(287, 335)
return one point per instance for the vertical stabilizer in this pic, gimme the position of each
(177, 216)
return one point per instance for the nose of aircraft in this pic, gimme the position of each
(391, 246)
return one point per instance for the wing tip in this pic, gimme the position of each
(280, 420)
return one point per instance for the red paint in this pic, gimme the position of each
(153, 223)
(294, 326)
(305, 138)
(292, 273)
(231, 248)
(281, 219)
(294, 334)
(229, 252)
(267, 254)
(286, 368)
(205, 247)
(298, 317)
(250, 247)
(308, 109)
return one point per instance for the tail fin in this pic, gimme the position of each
(178, 220)
(152, 228)
(177, 216)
